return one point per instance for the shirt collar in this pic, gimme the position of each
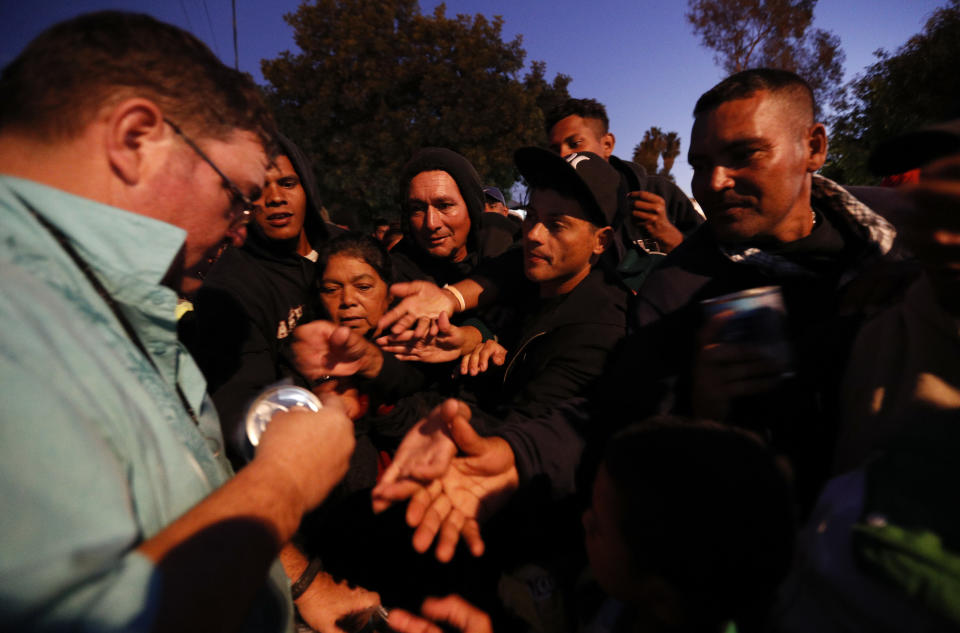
(834, 200)
(115, 242)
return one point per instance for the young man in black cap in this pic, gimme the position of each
(572, 313)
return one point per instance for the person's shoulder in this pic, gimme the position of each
(887, 202)
(231, 260)
(628, 168)
(597, 299)
(687, 269)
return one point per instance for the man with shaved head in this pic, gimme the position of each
(771, 221)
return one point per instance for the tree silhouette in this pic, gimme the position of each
(647, 152)
(657, 145)
(671, 149)
(770, 33)
(377, 80)
(916, 86)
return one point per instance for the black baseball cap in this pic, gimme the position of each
(915, 149)
(584, 175)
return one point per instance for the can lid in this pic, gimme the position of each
(272, 400)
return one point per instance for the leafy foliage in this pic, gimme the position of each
(773, 34)
(377, 80)
(657, 145)
(916, 86)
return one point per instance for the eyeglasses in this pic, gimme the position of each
(247, 207)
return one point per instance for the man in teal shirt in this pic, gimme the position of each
(128, 154)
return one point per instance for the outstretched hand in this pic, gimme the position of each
(321, 348)
(327, 601)
(452, 610)
(443, 342)
(421, 303)
(447, 504)
(479, 359)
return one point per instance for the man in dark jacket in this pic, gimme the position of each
(571, 314)
(256, 295)
(771, 221)
(442, 203)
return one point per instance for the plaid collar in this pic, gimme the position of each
(836, 202)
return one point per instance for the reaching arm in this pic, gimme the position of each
(448, 496)
(321, 348)
(325, 601)
(422, 302)
(452, 610)
(444, 342)
(216, 555)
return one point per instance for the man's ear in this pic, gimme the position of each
(607, 141)
(817, 146)
(603, 238)
(134, 127)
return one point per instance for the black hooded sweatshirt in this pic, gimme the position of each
(410, 261)
(249, 305)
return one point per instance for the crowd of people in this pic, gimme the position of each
(616, 414)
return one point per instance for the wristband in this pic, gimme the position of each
(457, 295)
(306, 578)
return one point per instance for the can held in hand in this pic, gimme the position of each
(758, 317)
(275, 399)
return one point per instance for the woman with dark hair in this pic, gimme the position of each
(355, 275)
(384, 395)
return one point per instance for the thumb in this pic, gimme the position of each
(340, 336)
(402, 289)
(465, 436)
(443, 322)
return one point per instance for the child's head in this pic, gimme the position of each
(692, 521)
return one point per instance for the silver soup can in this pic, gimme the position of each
(275, 399)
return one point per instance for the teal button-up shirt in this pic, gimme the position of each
(97, 453)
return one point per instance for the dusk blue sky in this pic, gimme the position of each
(639, 58)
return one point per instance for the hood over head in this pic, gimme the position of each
(462, 172)
(314, 223)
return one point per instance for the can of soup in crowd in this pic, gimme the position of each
(756, 316)
(272, 400)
